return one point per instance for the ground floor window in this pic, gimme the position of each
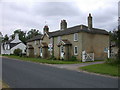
(75, 50)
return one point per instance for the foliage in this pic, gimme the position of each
(118, 35)
(112, 61)
(32, 33)
(73, 58)
(5, 38)
(22, 35)
(40, 60)
(102, 69)
(115, 36)
(17, 52)
(52, 58)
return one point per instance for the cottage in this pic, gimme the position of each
(72, 41)
(9, 46)
(33, 46)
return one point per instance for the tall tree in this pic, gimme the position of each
(32, 33)
(118, 35)
(22, 35)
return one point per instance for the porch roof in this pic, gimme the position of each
(43, 44)
(64, 42)
(30, 47)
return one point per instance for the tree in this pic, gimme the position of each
(22, 35)
(5, 38)
(118, 38)
(32, 33)
(17, 51)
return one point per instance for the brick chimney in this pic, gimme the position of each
(45, 29)
(63, 25)
(89, 21)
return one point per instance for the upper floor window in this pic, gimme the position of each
(75, 50)
(76, 37)
(59, 38)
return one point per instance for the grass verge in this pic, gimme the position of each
(107, 69)
(3, 85)
(40, 60)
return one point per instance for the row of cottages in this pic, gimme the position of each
(67, 42)
(9, 46)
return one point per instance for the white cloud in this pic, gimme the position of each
(27, 14)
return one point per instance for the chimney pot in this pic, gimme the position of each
(89, 21)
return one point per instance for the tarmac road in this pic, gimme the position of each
(21, 74)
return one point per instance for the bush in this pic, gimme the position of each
(73, 58)
(18, 52)
(52, 58)
(112, 61)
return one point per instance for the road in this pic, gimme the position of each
(21, 74)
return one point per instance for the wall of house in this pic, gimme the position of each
(20, 46)
(95, 43)
(74, 43)
(46, 39)
(36, 48)
(46, 52)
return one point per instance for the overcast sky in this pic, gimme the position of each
(32, 14)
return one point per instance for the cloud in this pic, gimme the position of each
(56, 9)
(27, 15)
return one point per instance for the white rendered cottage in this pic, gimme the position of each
(9, 46)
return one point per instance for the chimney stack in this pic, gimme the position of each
(16, 36)
(63, 25)
(89, 21)
(45, 29)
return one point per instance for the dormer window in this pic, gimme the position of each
(75, 36)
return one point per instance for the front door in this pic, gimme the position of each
(62, 52)
(41, 52)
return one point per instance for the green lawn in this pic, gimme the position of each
(40, 60)
(103, 69)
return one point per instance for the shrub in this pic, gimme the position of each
(17, 52)
(112, 61)
(73, 58)
(52, 58)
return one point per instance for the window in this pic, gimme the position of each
(59, 38)
(75, 50)
(76, 37)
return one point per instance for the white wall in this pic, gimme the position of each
(20, 46)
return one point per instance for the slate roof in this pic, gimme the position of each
(37, 37)
(66, 42)
(44, 44)
(30, 47)
(8, 42)
(76, 29)
(13, 45)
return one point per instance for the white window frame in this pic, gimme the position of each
(75, 36)
(75, 51)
